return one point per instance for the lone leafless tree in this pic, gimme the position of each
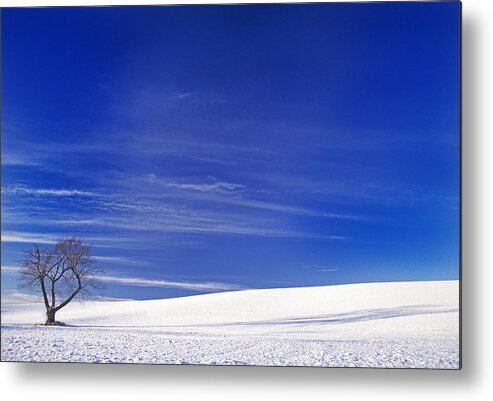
(61, 272)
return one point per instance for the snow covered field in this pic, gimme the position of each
(407, 324)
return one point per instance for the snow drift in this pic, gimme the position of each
(404, 324)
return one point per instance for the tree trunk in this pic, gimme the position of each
(50, 317)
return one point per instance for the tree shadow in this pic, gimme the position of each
(343, 318)
(327, 319)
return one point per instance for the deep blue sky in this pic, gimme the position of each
(207, 148)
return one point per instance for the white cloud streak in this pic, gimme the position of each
(153, 215)
(183, 95)
(116, 259)
(10, 269)
(144, 282)
(231, 193)
(191, 225)
(215, 187)
(31, 238)
(11, 160)
(44, 191)
(16, 297)
(318, 268)
(193, 286)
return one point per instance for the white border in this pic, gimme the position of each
(88, 382)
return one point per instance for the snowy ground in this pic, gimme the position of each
(413, 324)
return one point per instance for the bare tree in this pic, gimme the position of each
(60, 272)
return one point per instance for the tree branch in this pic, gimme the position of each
(43, 290)
(72, 296)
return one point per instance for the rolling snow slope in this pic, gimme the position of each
(405, 324)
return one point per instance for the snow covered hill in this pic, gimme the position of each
(405, 324)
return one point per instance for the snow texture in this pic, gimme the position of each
(392, 325)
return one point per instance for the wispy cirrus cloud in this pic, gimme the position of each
(10, 268)
(147, 282)
(205, 191)
(234, 194)
(175, 224)
(319, 268)
(19, 189)
(18, 297)
(193, 286)
(191, 208)
(183, 95)
(17, 160)
(116, 260)
(32, 238)
(215, 186)
(218, 187)
(195, 212)
(53, 238)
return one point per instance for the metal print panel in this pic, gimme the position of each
(272, 185)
